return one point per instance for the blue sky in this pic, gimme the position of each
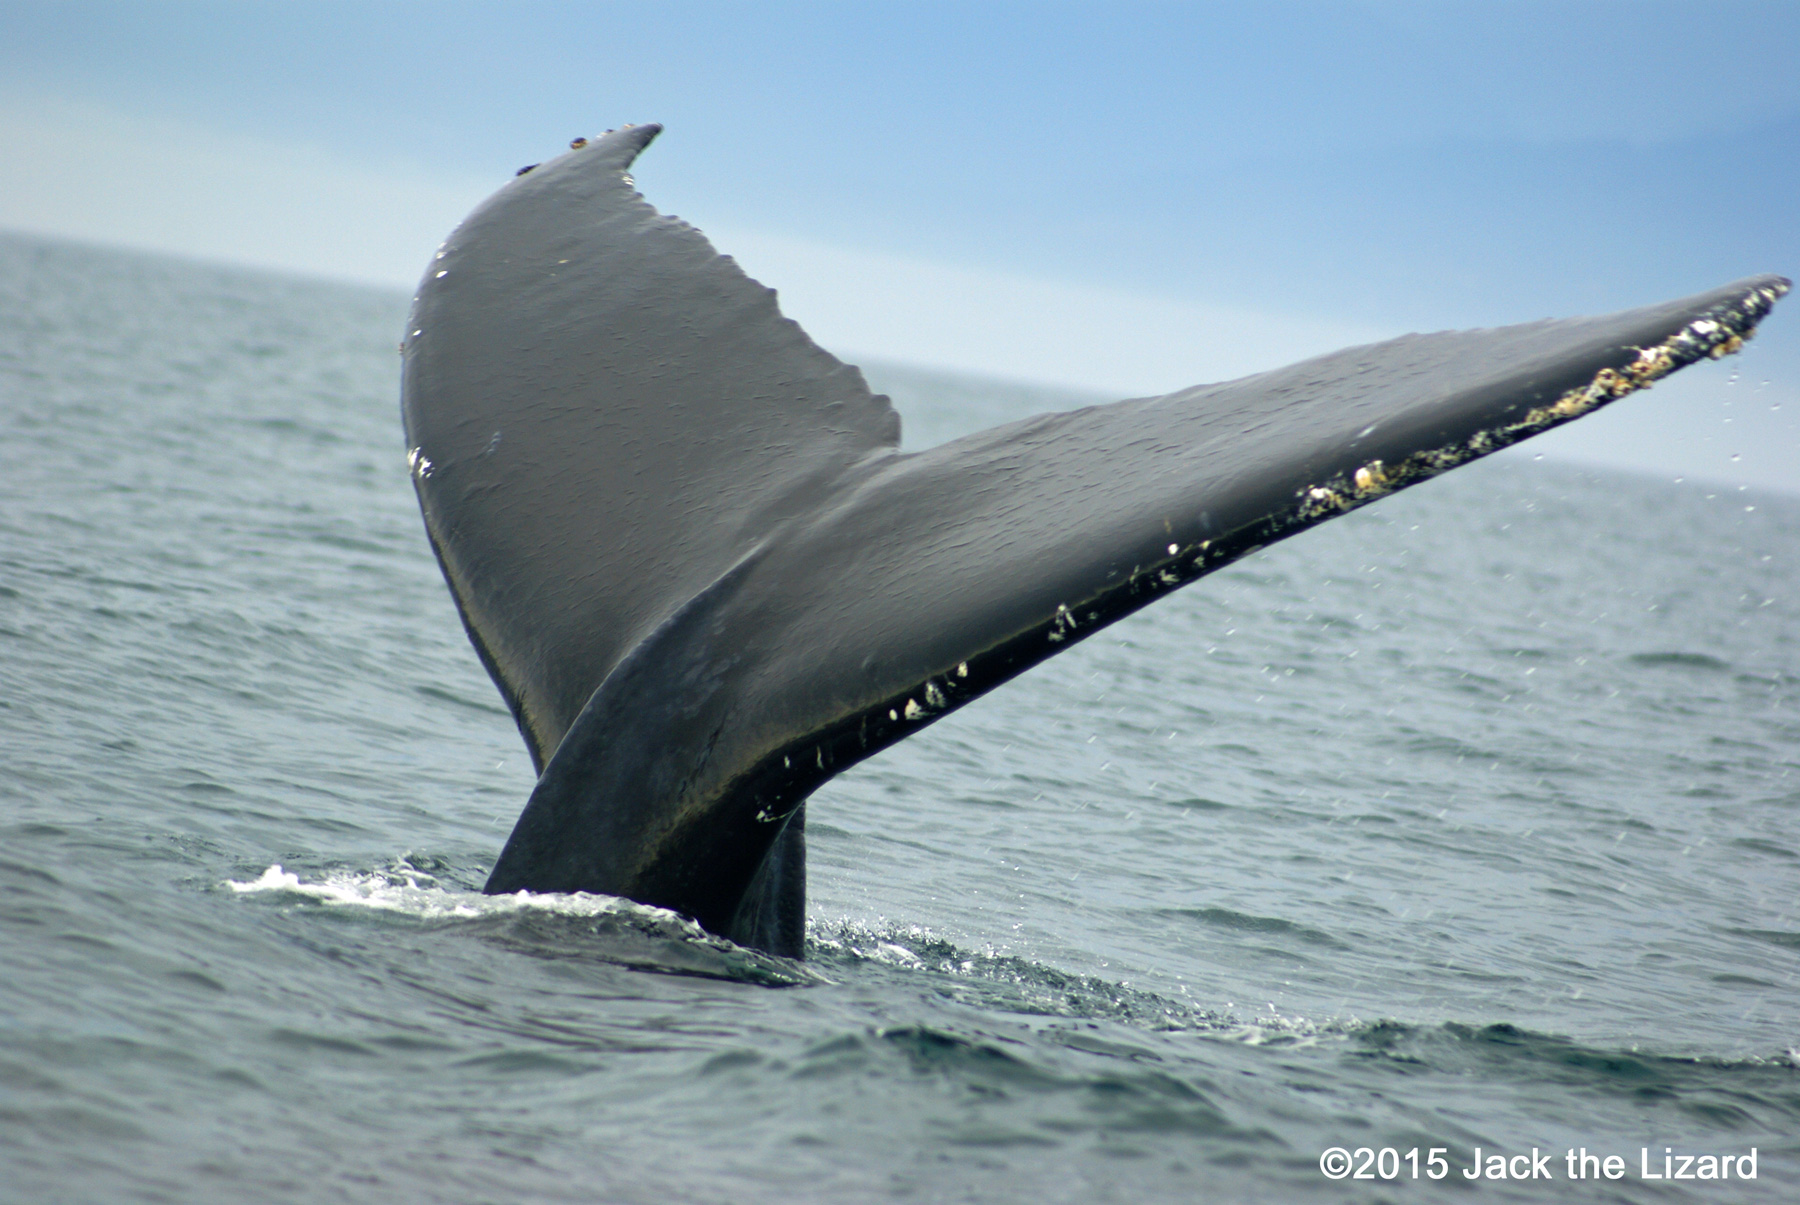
(1128, 197)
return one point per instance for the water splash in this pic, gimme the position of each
(575, 925)
(406, 889)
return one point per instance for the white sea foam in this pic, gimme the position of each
(415, 893)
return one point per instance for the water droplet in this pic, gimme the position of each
(1735, 456)
(443, 274)
(1538, 456)
(629, 182)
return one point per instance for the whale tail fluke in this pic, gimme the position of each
(687, 547)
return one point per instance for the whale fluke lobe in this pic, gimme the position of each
(685, 543)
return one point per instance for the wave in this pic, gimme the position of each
(647, 938)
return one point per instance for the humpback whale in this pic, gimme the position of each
(685, 544)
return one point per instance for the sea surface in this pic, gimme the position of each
(1470, 820)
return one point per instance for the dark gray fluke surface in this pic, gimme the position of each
(688, 549)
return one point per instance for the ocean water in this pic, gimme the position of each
(1470, 820)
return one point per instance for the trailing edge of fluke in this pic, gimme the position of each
(687, 547)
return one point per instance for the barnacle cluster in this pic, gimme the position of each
(1715, 335)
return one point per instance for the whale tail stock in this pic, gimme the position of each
(686, 546)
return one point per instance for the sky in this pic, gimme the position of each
(1128, 198)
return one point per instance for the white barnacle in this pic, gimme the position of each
(913, 710)
(419, 463)
(934, 696)
(1315, 502)
(962, 671)
(892, 714)
(1174, 548)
